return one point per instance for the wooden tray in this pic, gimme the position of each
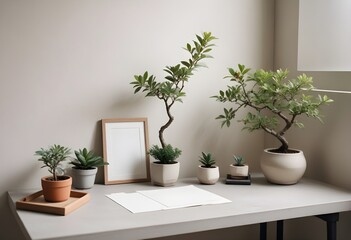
(35, 202)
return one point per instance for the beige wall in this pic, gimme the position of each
(64, 65)
(326, 146)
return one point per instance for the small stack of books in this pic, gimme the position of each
(238, 180)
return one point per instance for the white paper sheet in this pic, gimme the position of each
(136, 202)
(169, 198)
(187, 196)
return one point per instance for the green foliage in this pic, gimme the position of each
(238, 161)
(207, 160)
(274, 99)
(52, 157)
(87, 159)
(171, 90)
(166, 155)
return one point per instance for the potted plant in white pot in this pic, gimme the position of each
(239, 168)
(56, 188)
(85, 167)
(207, 172)
(276, 103)
(170, 91)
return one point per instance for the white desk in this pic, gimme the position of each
(101, 218)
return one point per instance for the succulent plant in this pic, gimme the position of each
(238, 161)
(87, 160)
(207, 160)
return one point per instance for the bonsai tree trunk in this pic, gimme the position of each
(284, 148)
(170, 120)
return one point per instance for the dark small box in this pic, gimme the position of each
(238, 180)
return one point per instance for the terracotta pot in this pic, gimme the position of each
(283, 168)
(164, 174)
(83, 178)
(239, 171)
(208, 175)
(56, 191)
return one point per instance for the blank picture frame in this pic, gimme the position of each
(125, 145)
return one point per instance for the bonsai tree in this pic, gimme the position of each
(275, 101)
(52, 158)
(238, 161)
(87, 160)
(171, 90)
(207, 160)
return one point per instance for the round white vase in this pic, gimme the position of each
(283, 168)
(164, 174)
(207, 175)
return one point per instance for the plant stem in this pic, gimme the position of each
(170, 120)
(54, 174)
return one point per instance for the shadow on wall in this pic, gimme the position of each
(330, 144)
(96, 144)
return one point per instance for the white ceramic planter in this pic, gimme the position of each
(164, 174)
(239, 171)
(83, 178)
(283, 168)
(207, 175)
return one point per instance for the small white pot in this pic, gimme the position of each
(208, 175)
(164, 174)
(239, 171)
(283, 168)
(83, 178)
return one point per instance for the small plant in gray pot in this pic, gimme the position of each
(85, 168)
(165, 171)
(207, 172)
(56, 188)
(239, 168)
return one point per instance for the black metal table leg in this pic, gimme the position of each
(263, 231)
(280, 230)
(331, 220)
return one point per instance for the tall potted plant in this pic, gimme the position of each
(170, 91)
(276, 104)
(85, 168)
(56, 188)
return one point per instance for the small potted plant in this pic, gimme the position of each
(56, 188)
(276, 103)
(170, 91)
(239, 168)
(85, 168)
(207, 172)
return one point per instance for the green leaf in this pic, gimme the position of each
(188, 46)
(145, 76)
(185, 64)
(231, 71)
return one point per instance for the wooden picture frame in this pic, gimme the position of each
(125, 146)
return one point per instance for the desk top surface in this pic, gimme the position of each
(101, 218)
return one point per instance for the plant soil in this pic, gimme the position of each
(159, 162)
(59, 178)
(278, 150)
